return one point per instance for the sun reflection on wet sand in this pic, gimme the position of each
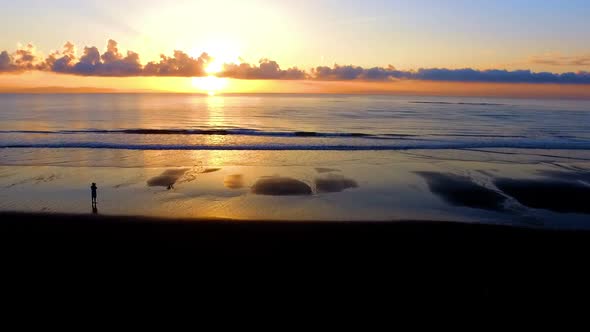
(234, 181)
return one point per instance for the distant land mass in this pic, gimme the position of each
(56, 89)
(74, 90)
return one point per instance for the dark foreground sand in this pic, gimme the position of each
(269, 238)
(454, 258)
(337, 240)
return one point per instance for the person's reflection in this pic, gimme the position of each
(94, 208)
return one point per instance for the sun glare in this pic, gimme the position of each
(222, 52)
(210, 84)
(214, 67)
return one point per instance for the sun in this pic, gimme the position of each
(221, 51)
(214, 67)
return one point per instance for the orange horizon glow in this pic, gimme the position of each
(40, 82)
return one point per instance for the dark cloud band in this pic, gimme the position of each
(343, 73)
(112, 63)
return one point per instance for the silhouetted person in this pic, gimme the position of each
(93, 190)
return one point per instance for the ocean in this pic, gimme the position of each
(298, 157)
(283, 122)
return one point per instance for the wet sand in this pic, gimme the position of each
(558, 196)
(462, 191)
(545, 189)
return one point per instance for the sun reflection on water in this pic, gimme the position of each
(215, 120)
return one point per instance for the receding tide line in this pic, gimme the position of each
(240, 132)
(274, 147)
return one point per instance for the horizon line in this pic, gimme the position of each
(61, 90)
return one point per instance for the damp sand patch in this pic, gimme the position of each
(462, 191)
(334, 183)
(280, 186)
(554, 195)
(167, 179)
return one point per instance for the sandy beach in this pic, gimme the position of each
(45, 233)
(402, 206)
(388, 260)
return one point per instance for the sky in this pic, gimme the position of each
(399, 37)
